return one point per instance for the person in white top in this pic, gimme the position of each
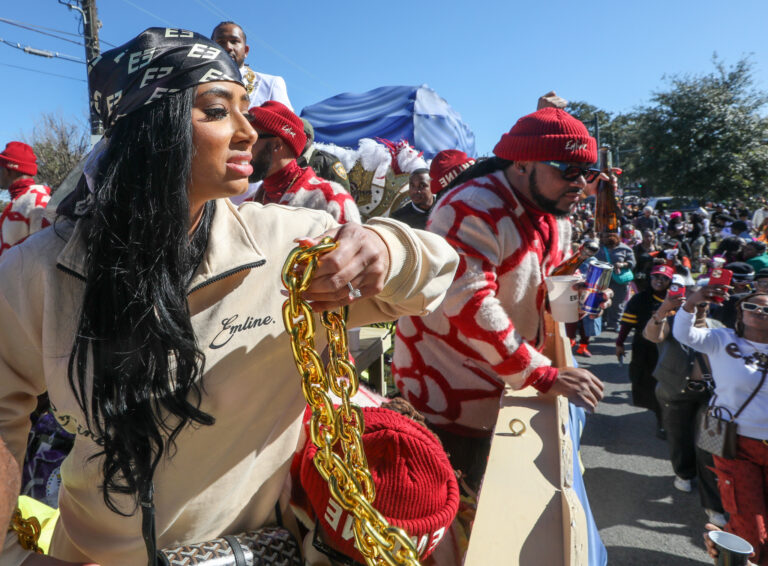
(739, 360)
(259, 86)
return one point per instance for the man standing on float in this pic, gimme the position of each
(509, 223)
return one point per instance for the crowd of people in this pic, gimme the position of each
(145, 322)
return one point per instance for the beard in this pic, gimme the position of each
(261, 164)
(546, 204)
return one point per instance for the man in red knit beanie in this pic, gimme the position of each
(509, 223)
(24, 215)
(281, 140)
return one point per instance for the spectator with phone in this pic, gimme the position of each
(740, 276)
(739, 360)
(640, 308)
(683, 392)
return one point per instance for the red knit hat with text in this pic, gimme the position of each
(446, 166)
(549, 134)
(277, 119)
(19, 157)
(416, 488)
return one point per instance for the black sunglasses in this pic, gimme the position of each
(573, 172)
(754, 307)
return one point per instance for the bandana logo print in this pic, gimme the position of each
(159, 93)
(174, 32)
(154, 73)
(573, 145)
(139, 59)
(212, 75)
(288, 130)
(202, 51)
(113, 99)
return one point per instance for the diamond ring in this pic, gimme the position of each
(353, 293)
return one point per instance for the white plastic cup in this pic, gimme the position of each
(733, 550)
(563, 300)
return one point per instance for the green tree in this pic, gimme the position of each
(59, 145)
(617, 131)
(705, 136)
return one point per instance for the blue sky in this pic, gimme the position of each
(490, 60)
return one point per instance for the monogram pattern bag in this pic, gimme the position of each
(717, 434)
(269, 546)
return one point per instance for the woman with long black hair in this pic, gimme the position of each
(151, 312)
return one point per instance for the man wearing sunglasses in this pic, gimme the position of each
(508, 219)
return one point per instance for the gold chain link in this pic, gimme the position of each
(28, 531)
(349, 479)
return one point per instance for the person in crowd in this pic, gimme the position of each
(648, 221)
(740, 230)
(761, 214)
(416, 212)
(739, 360)
(281, 139)
(696, 240)
(9, 486)
(508, 219)
(24, 215)
(754, 253)
(761, 280)
(260, 87)
(741, 283)
(150, 315)
(323, 163)
(446, 166)
(745, 217)
(620, 256)
(645, 254)
(630, 235)
(730, 248)
(640, 308)
(683, 392)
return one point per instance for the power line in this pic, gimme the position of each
(41, 52)
(166, 22)
(32, 28)
(42, 72)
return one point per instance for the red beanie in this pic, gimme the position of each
(19, 157)
(416, 488)
(446, 166)
(548, 134)
(276, 118)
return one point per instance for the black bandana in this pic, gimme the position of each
(154, 64)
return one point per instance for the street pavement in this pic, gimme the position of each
(642, 518)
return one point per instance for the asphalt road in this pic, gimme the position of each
(642, 518)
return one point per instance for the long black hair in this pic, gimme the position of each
(135, 366)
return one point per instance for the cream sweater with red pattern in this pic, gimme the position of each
(23, 216)
(452, 364)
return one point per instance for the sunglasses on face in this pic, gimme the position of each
(762, 284)
(573, 172)
(752, 307)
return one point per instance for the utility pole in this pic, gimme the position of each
(91, 25)
(92, 50)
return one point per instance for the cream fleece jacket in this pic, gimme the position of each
(225, 478)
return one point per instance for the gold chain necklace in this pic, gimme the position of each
(349, 479)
